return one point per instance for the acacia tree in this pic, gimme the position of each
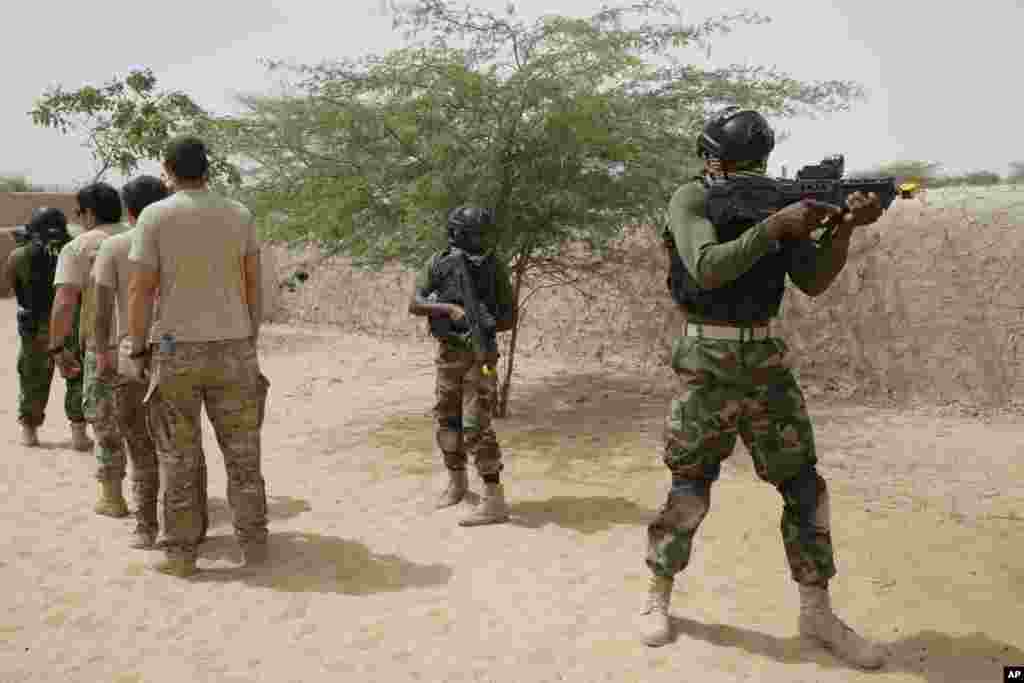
(571, 128)
(127, 121)
(17, 183)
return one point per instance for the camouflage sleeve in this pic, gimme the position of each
(813, 266)
(712, 264)
(504, 292)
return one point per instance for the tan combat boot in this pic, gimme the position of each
(111, 502)
(819, 624)
(177, 564)
(458, 485)
(655, 623)
(147, 527)
(492, 509)
(80, 441)
(28, 436)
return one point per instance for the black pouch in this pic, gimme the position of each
(28, 324)
(444, 327)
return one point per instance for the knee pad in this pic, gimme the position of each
(449, 434)
(691, 487)
(688, 503)
(808, 493)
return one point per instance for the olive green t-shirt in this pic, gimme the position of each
(198, 241)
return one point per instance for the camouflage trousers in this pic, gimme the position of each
(100, 412)
(460, 376)
(225, 378)
(35, 376)
(123, 417)
(730, 388)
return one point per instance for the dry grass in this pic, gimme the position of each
(928, 309)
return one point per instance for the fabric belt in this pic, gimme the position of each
(726, 332)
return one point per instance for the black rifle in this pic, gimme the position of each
(755, 197)
(479, 320)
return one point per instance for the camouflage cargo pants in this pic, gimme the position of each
(730, 388)
(225, 378)
(35, 376)
(459, 376)
(99, 410)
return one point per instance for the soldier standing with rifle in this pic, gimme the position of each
(29, 271)
(467, 294)
(728, 275)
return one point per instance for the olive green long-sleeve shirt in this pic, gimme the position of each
(812, 267)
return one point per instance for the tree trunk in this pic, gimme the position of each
(506, 385)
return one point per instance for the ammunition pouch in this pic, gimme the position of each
(28, 322)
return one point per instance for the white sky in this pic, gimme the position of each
(940, 84)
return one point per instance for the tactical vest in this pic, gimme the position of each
(444, 280)
(755, 296)
(33, 289)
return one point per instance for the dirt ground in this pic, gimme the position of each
(368, 583)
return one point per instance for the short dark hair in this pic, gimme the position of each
(103, 200)
(186, 158)
(141, 192)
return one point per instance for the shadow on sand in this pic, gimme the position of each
(932, 656)
(314, 563)
(588, 515)
(278, 507)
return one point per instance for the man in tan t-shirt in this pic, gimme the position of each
(99, 212)
(201, 251)
(110, 272)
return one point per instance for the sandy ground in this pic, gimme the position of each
(368, 583)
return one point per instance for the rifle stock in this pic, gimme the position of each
(482, 342)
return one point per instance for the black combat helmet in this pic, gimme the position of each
(466, 225)
(48, 224)
(736, 134)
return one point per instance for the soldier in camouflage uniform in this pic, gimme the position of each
(461, 368)
(29, 271)
(124, 415)
(99, 210)
(728, 275)
(202, 252)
